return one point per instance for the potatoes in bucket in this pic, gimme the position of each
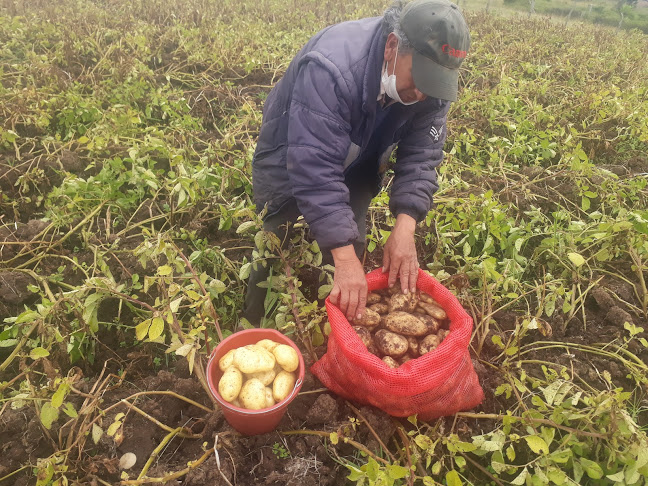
(258, 376)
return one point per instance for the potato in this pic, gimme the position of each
(365, 335)
(253, 359)
(433, 325)
(433, 310)
(230, 383)
(402, 302)
(236, 403)
(380, 308)
(253, 395)
(287, 357)
(413, 346)
(403, 323)
(372, 348)
(427, 298)
(443, 333)
(265, 377)
(283, 385)
(390, 344)
(428, 343)
(369, 319)
(391, 362)
(227, 360)
(373, 298)
(268, 344)
(394, 289)
(270, 401)
(405, 358)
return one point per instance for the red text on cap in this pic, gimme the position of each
(452, 51)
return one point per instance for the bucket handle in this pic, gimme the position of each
(298, 383)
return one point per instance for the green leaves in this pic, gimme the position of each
(38, 353)
(453, 479)
(537, 444)
(153, 328)
(576, 259)
(592, 469)
(48, 415)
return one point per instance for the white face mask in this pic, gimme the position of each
(388, 82)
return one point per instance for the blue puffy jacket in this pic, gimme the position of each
(317, 122)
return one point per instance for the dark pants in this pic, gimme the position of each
(361, 191)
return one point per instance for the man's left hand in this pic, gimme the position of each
(399, 258)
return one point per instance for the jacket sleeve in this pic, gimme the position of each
(419, 153)
(318, 142)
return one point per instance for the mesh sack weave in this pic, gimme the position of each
(438, 383)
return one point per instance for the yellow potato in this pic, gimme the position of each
(406, 324)
(287, 357)
(230, 383)
(428, 343)
(391, 362)
(265, 377)
(405, 358)
(236, 403)
(227, 360)
(403, 302)
(413, 346)
(270, 401)
(390, 343)
(433, 325)
(253, 395)
(253, 359)
(268, 344)
(365, 335)
(380, 308)
(369, 319)
(428, 298)
(283, 385)
(373, 298)
(434, 310)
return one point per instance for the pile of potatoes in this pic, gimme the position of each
(258, 375)
(399, 327)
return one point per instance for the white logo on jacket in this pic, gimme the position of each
(436, 134)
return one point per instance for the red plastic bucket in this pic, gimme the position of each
(251, 422)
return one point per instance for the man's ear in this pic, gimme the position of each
(390, 47)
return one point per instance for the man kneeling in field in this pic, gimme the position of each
(355, 92)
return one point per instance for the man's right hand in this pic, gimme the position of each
(349, 283)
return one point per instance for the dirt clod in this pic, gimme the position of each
(13, 287)
(603, 299)
(323, 411)
(617, 316)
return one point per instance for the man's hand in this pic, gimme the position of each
(399, 258)
(349, 283)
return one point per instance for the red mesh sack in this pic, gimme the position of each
(438, 383)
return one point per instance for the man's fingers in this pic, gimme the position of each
(393, 274)
(362, 302)
(386, 261)
(353, 305)
(413, 276)
(335, 295)
(344, 302)
(404, 278)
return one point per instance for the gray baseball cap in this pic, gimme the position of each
(440, 37)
